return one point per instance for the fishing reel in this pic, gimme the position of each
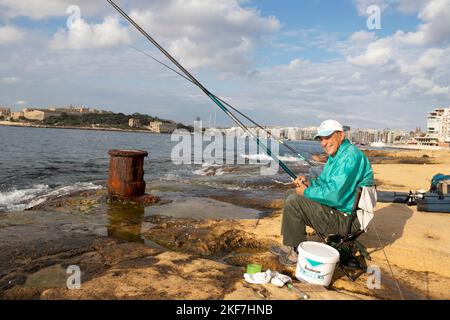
(411, 199)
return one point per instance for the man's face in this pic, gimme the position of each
(331, 143)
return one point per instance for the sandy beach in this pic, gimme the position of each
(186, 258)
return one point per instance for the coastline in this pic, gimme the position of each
(32, 125)
(415, 147)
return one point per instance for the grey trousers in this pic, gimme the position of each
(300, 212)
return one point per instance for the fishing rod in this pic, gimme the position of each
(209, 94)
(300, 156)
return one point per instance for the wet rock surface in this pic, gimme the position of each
(122, 250)
(202, 237)
(125, 251)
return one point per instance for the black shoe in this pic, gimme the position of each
(351, 263)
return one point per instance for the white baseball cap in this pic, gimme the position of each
(327, 128)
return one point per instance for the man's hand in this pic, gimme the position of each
(301, 181)
(301, 184)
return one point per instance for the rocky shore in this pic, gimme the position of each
(128, 251)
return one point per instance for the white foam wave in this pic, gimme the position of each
(209, 171)
(207, 164)
(265, 157)
(241, 188)
(17, 200)
(282, 182)
(171, 177)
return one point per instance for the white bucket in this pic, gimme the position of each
(316, 262)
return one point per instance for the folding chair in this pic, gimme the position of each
(347, 245)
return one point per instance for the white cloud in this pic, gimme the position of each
(10, 34)
(407, 6)
(363, 36)
(411, 6)
(296, 63)
(10, 79)
(356, 75)
(435, 29)
(377, 77)
(370, 81)
(422, 83)
(362, 5)
(426, 62)
(196, 55)
(82, 35)
(432, 58)
(35, 9)
(377, 54)
(41, 9)
(220, 35)
(438, 90)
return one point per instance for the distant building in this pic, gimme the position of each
(438, 123)
(39, 114)
(162, 127)
(277, 133)
(364, 136)
(76, 111)
(16, 114)
(418, 131)
(427, 141)
(134, 123)
(69, 110)
(198, 125)
(309, 133)
(5, 112)
(438, 128)
(294, 134)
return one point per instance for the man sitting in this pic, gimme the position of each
(324, 203)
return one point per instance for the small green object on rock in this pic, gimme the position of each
(253, 268)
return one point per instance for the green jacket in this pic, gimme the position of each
(335, 187)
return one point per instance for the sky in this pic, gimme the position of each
(289, 62)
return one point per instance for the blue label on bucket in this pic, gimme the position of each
(313, 263)
(311, 274)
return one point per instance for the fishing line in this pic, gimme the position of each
(389, 264)
(301, 157)
(209, 94)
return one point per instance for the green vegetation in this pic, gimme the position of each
(104, 120)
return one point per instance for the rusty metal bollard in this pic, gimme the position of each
(126, 173)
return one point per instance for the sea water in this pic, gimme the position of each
(37, 163)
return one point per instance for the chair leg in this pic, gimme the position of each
(347, 250)
(359, 267)
(341, 267)
(352, 276)
(362, 250)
